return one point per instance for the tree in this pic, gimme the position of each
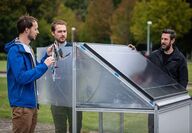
(121, 21)
(116, 2)
(11, 10)
(97, 24)
(78, 6)
(174, 14)
(44, 9)
(9, 13)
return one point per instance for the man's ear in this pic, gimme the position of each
(173, 40)
(52, 33)
(26, 30)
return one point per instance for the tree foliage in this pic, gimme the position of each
(79, 7)
(174, 14)
(116, 3)
(100, 21)
(97, 25)
(8, 18)
(45, 11)
(11, 10)
(121, 21)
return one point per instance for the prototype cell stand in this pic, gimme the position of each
(123, 87)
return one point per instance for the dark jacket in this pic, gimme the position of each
(176, 66)
(21, 75)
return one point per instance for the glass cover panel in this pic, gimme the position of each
(97, 87)
(138, 69)
(55, 86)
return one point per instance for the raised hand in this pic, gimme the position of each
(49, 60)
(131, 46)
(49, 50)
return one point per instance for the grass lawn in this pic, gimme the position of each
(5, 111)
(190, 70)
(3, 64)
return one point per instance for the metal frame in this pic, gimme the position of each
(173, 107)
(74, 114)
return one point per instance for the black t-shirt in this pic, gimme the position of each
(166, 57)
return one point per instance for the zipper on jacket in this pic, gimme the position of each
(34, 85)
(21, 91)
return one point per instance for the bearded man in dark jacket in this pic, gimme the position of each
(171, 61)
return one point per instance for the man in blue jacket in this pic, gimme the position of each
(22, 72)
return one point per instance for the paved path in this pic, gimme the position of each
(6, 126)
(2, 74)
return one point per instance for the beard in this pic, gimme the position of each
(165, 47)
(31, 38)
(62, 40)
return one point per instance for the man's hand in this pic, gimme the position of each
(49, 60)
(49, 50)
(132, 46)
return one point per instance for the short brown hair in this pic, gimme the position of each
(25, 21)
(171, 32)
(57, 22)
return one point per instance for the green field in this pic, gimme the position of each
(4, 106)
(190, 71)
(3, 65)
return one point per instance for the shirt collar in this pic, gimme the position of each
(61, 44)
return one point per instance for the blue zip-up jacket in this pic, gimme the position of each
(21, 75)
